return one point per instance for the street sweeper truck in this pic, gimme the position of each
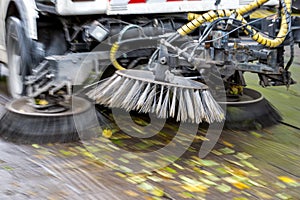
(172, 58)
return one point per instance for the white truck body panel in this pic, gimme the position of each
(110, 7)
(164, 6)
(126, 7)
(68, 7)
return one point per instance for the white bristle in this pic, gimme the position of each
(104, 97)
(104, 83)
(215, 109)
(198, 107)
(173, 104)
(163, 113)
(149, 100)
(143, 97)
(154, 100)
(131, 93)
(159, 103)
(189, 105)
(137, 96)
(181, 115)
(116, 98)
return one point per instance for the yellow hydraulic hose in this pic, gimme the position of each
(200, 19)
(112, 55)
(258, 37)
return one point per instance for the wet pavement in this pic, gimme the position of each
(257, 164)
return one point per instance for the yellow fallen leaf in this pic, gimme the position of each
(131, 193)
(36, 146)
(149, 188)
(227, 144)
(158, 192)
(120, 174)
(136, 179)
(178, 166)
(42, 102)
(165, 174)
(107, 133)
(193, 188)
(240, 185)
(286, 179)
(236, 171)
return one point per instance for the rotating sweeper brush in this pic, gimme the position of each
(186, 100)
(22, 123)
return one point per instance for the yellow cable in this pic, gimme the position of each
(112, 55)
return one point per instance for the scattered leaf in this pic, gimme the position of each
(228, 144)
(136, 179)
(216, 152)
(242, 156)
(123, 160)
(107, 133)
(155, 178)
(223, 188)
(120, 174)
(263, 195)
(67, 153)
(234, 162)
(165, 174)
(240, 185)
(170, 170)
(250, 165)
(255, 183)
(147, 187)
(186, 195)
(178, 166)
(236, 183)
(208, 163)
(8, 168)
(131, 193)
(190, 181)
(222, 170)
(130, 156)
(286, 179)
(125, 169)
(240, 198)
(88, 154)
(283, 196)
(208, 182)
(200, 137)
(194, 188)
(227, 150)
(213, 178)
(255, 134)
(36, 146)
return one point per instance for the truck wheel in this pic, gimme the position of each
(18, 52)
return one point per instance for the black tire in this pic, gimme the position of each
(19, 56)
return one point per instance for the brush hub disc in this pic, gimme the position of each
(249, 96)
(22, 106)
